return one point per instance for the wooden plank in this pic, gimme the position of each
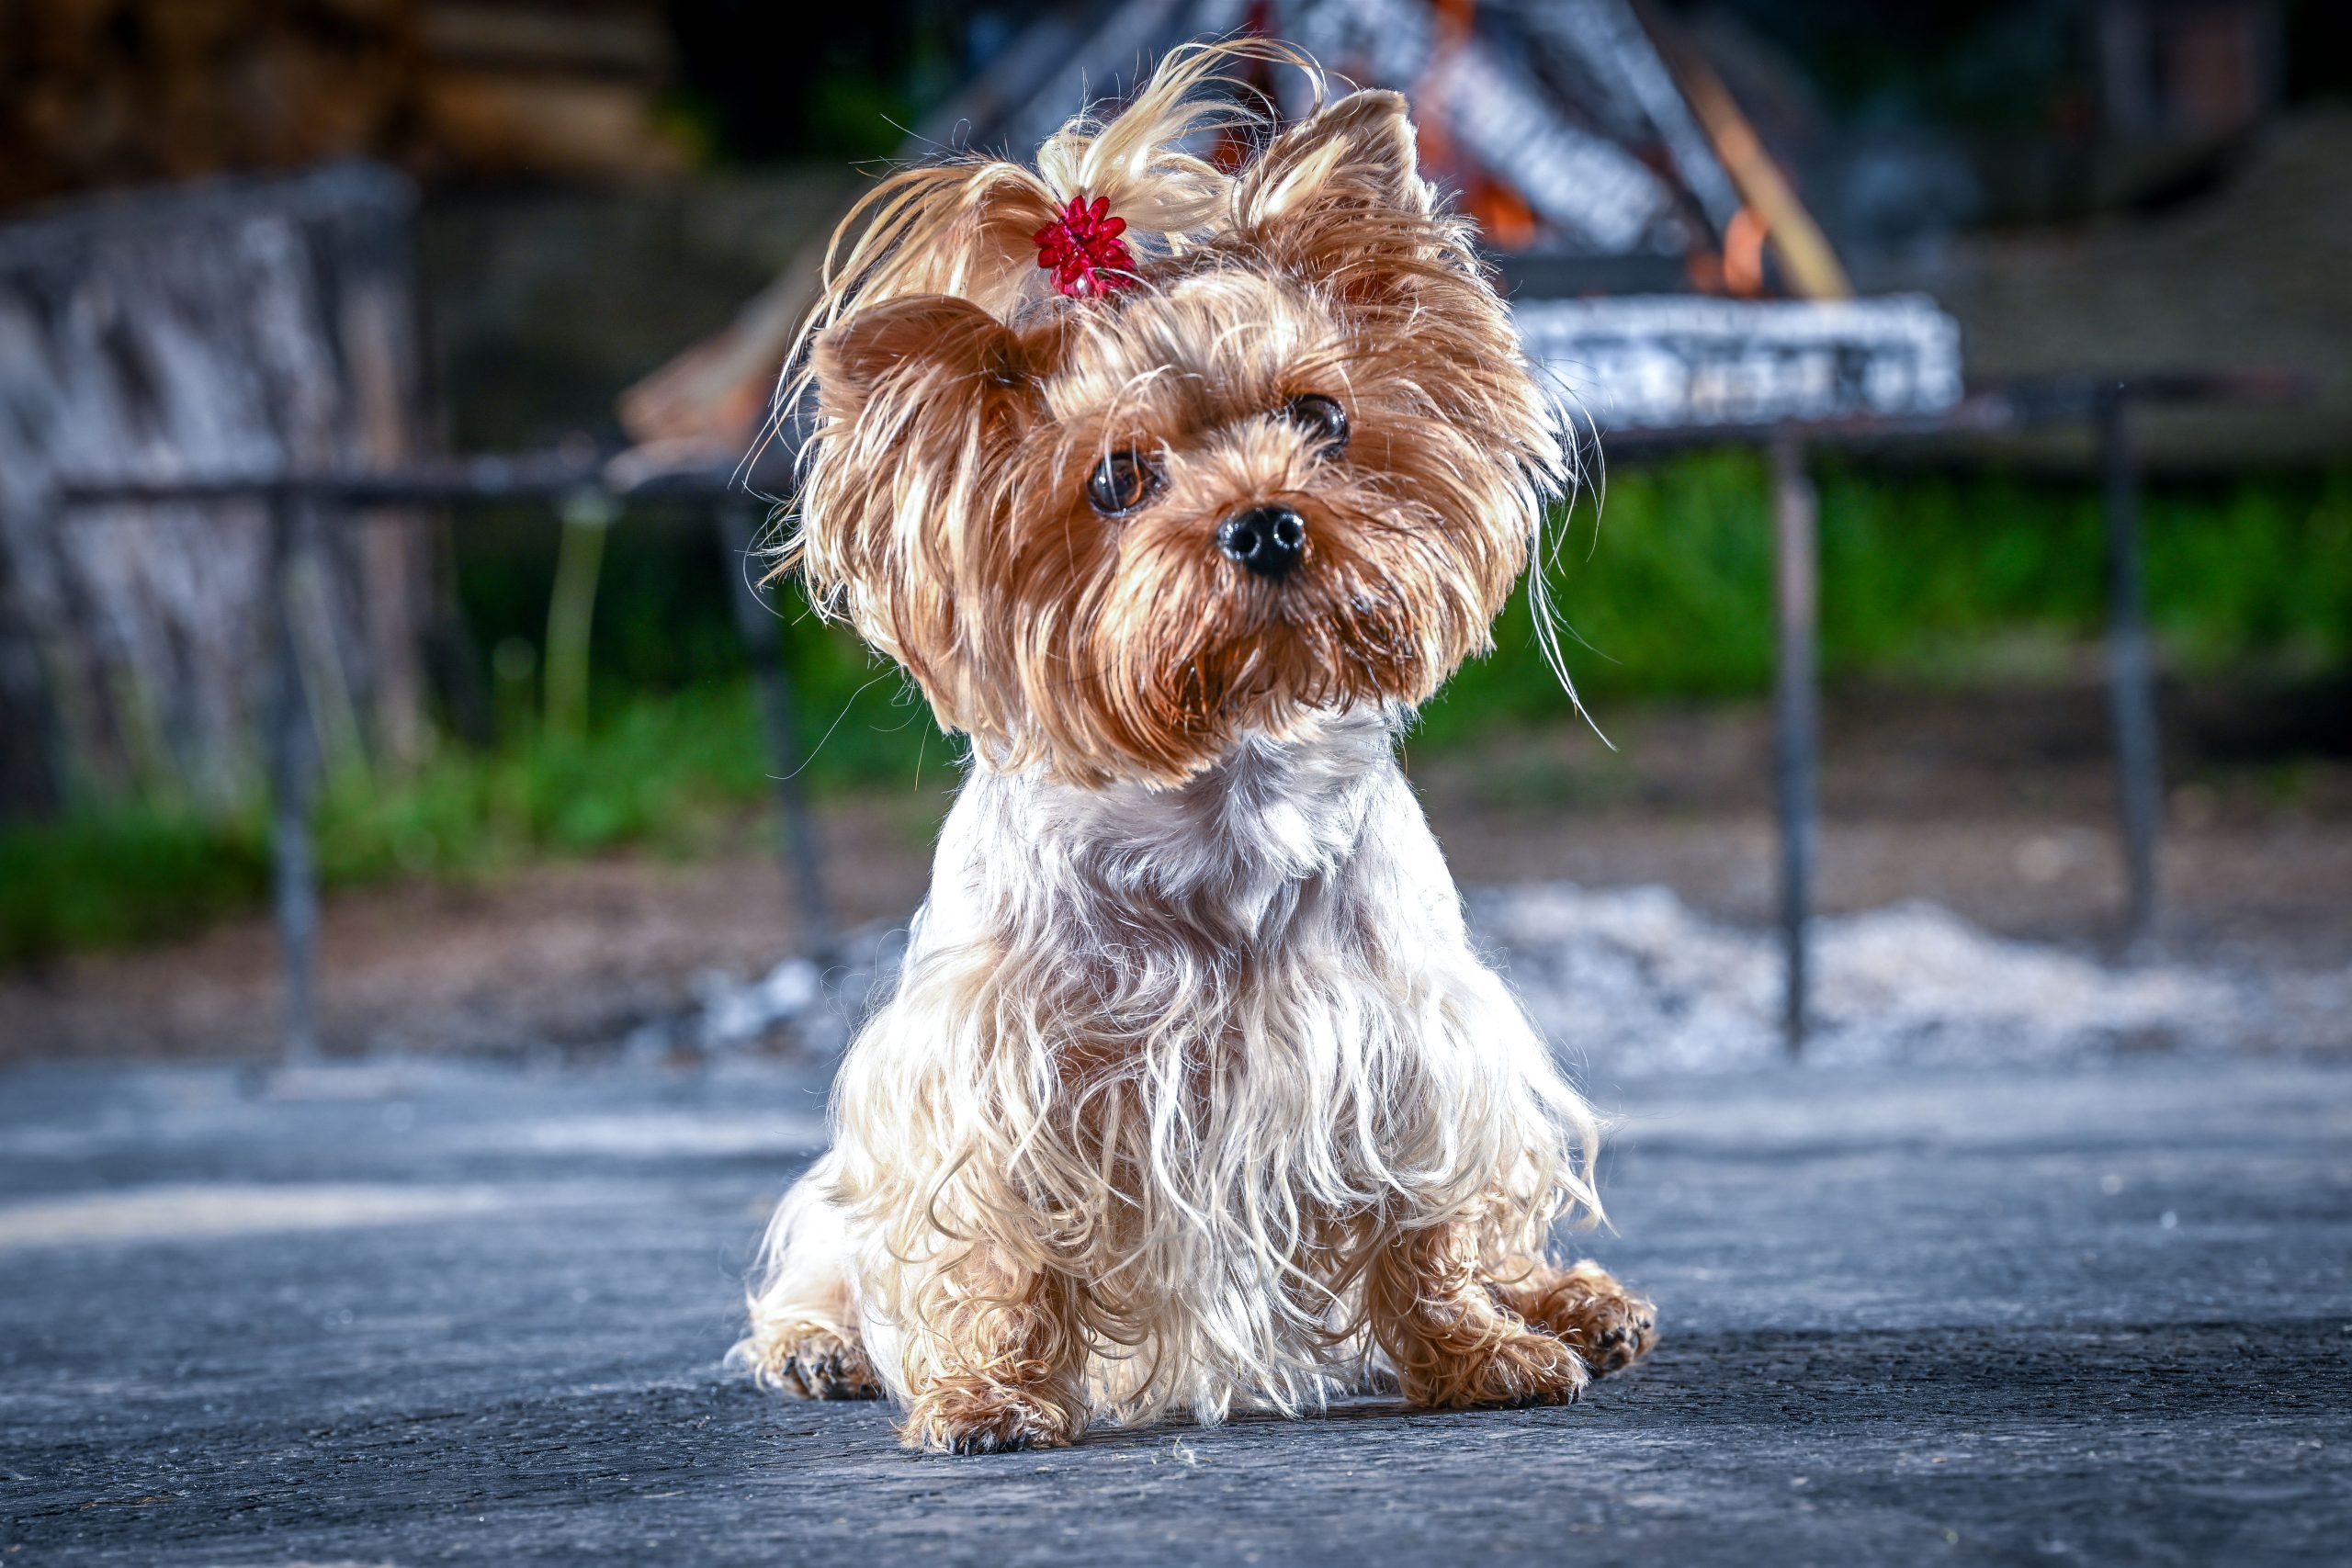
(245, 326)
(504, 121)
(626, 40)
(1804, 252)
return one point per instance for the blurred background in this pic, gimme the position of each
(545, 812)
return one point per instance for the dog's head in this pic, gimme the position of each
(1136, 455)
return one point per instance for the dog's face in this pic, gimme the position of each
(1293, 467)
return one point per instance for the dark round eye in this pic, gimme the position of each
(1121, 482)
(1323, 420)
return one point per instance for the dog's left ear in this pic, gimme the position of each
(1339, 193)
(1357, 154)
(1337, 204)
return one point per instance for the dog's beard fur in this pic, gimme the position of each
(1192, 1088)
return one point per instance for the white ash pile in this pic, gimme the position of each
(1633, 980)
(802, 1006)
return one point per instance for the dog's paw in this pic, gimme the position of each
(1618, 1337)
(1004, 1435)
(818, 1363)
(1609, 1325)
(960, 1417)
(1525, 1367)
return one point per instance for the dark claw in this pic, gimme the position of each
(1544, 1399)
(827, 1377)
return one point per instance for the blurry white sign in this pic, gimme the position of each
(1654, 362)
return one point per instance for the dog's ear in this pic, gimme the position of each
(920, 346)
(1337, 180)
(1338, 203)
(1358, 152)
(921, 401)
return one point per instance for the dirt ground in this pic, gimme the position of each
(1999, 807)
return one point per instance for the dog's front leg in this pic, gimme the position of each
(998, 1362)
(1452, 1341)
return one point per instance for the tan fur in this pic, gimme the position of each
(1192, 1089)
(961, 405)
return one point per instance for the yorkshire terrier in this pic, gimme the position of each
(1176, 471)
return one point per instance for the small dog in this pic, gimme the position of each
(1175, 479)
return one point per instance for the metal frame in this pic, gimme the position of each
(1796, 724)
(2102, 402)
(292, 746)
(299, 503)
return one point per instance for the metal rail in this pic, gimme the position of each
(2102, 402)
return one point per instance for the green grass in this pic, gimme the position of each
(109, 877)
(667, 774)
(1925, 577)
(660, 773)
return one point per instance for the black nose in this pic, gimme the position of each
(1267, 539)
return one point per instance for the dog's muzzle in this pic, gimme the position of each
(1268, 541)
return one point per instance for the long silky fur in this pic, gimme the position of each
(1207, 1050)
(1191, 1019)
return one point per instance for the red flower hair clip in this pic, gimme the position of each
(1082, 249)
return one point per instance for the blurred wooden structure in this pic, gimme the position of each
(1612, 168)
(236, 325)
(102, 92)
(1596, 162)
(216, 460)
(1631, 179)
(1665, 274)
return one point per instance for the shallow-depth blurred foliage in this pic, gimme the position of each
(1942, 577)
(1929, 577)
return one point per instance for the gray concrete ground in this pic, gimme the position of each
(418, 1315)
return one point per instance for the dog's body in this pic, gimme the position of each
(1193, 1090)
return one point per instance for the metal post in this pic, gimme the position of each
(1795, 737)
(292, 764)
(2131, 671)
(771, 671)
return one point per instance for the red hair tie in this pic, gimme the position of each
(1082, 249)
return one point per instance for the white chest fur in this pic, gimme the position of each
(1197, 1051)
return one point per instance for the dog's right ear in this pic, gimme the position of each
(922, 346)
(921, 400)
